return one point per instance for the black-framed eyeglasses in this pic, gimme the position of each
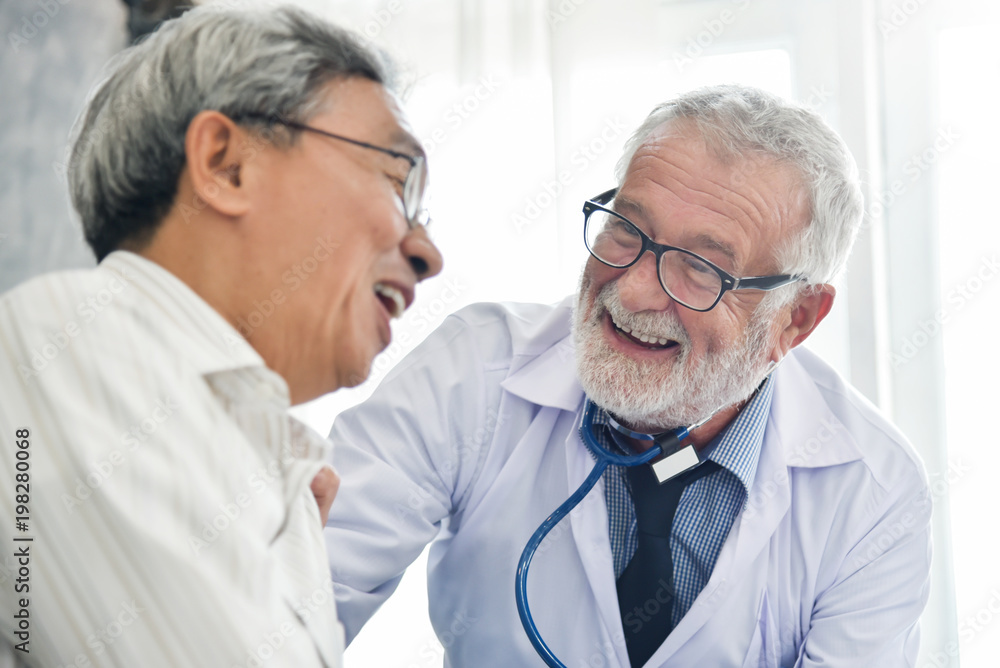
(688, 278)
(414, 186)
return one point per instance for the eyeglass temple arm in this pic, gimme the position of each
(766, 282)
(605, 196)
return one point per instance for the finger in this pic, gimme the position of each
(324, 487)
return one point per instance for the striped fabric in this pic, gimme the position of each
(707, 508)
(170, 515)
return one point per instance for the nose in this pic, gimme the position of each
(423, 255)
(639, 287)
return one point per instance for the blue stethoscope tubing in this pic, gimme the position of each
(604, 458)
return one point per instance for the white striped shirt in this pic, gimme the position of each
(169, 505)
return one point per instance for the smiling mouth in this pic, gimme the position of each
(642, 339)
(391, 298)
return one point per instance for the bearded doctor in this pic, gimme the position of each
(790, 527)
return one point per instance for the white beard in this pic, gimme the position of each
(678, 392)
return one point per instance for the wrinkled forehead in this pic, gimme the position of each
(710, 149)
(713, 143)
(687, 185)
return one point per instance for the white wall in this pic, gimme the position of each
(47, 65)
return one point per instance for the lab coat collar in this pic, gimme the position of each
(543, 371)
(802, 425)
(543, 365)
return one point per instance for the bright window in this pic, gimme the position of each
(970, 295)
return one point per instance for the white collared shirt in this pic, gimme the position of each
(169, 505)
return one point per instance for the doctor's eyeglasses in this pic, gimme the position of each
(688, 278)
(414, 186)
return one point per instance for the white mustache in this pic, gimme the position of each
(664, 325)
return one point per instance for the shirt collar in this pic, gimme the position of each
(737, 448)
(209, 343)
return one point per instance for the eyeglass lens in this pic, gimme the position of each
(686, 278)
(413, 190)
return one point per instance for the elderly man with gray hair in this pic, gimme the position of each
(785, 523)
(252, 192)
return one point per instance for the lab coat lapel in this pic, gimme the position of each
(589, 523)
(549, 379)
(750, 533)
(770, 498)
(803, 415)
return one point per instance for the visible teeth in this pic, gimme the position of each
(645, 338)
(399, 302)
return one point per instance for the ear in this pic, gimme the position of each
(805, 314)
(212, 147)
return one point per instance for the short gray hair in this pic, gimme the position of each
(744, 122)
(128, 153)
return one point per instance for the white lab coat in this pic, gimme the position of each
(473, 440)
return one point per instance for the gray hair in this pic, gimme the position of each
(128, 153)
(744, 122)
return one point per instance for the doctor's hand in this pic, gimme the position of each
(324, 487)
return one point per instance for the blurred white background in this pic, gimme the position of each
(524, 106)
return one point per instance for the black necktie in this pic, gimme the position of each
(646, 587)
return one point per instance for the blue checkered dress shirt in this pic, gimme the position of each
(707, 507)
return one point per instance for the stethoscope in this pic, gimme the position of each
(677, 461)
